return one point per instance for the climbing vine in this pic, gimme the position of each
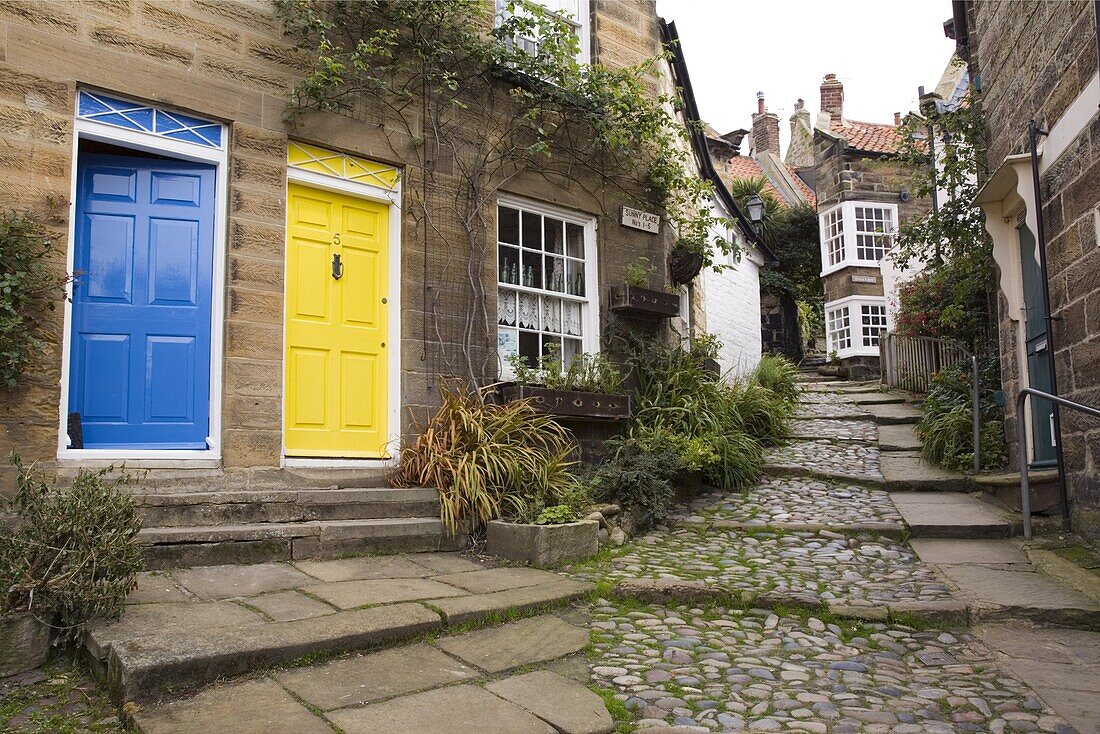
(474, 101)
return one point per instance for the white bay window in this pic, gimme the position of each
(854, 325)
(856, 233)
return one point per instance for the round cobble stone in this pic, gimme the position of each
(829, 457)
(841, 429)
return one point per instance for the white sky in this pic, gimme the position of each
(882, 50)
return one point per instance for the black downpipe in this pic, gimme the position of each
(1033, 133)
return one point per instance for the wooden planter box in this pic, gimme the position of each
(572, 403)
(644, 302)
(543, 545)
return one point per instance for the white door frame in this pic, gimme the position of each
(150, 458)
(381, 195)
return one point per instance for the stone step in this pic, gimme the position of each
(906, 471)
(262, 542)
(951, 516)
(893, 413)
(190, 627)
(1003, 489)
(276, 506)
(900, 437)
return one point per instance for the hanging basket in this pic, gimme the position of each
(684, 265)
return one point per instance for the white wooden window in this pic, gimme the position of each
(874, 226)
(872, 323)
(838, 329)
(856, 233)
(832, 229)
(546, 283)
(574, 12)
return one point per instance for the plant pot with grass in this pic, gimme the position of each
(636, 297)
(71, 557)
(588, 387)
(556, 536)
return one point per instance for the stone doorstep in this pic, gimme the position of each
(678, 591)
(145, 665)
(796, 470)
(378, 527)
(893, 530)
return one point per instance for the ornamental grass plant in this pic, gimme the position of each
(488, 459)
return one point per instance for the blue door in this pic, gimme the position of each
(144, 253)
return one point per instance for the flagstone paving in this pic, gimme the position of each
(792, 500)
(845, 429)
(831, 458)
(731, 670)
(818, 565)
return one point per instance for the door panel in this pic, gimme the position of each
(336, 327)
(1038, 364)
(143, 256)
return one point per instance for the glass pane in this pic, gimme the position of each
(532, 269)
(508, 225)
(574, 277)
(528, 310)
(508, 262)
(532, 231)
(555, 274)
(529, 347)
(506, 307)
(553, 233)
(551, 346)
(574, 240)
(551, 314)
(570, 350)
(507, 344)
(573, 318)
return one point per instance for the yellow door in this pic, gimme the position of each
(336, 325)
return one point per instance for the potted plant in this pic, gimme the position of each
(636, 298)
(686, 259)
(590, 387)
(71, 556)
(556, 535)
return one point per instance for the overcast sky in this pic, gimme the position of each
(882, 50)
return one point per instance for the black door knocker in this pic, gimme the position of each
(337, 267)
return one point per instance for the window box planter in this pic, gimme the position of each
(543, 545)
(644, 302)
(572, 403)
(24, 643)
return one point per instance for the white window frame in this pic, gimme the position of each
(580, 19)
(857, 334)
(849, 234)
(85, 129)
(590, 309)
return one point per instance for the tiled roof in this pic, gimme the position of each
(867, 136)
(742, 166)
(811, 197)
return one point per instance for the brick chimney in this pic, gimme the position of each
(832, 98)
(765, 127)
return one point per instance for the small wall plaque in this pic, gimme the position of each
(864, 279)
(637, 219)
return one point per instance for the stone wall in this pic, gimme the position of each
(227, 60)
(1034, 59)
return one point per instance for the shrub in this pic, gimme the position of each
(26, 287)
(764, 415)
(482, 457)
(73, 555)
(946, 426)
(779, 375)
(556, 515)
(638, 475)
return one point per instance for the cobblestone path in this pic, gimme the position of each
(732, 669)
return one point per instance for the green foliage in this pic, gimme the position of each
(639, 273)
(486, 458)
(26, 287)
(73, 554)
(695, 452)
(946, 426)
(638, 475)
(779, 375)
(954, 296)
(764, 415)
(556, 515)
(586, 372)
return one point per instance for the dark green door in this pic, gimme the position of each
(1038, 360)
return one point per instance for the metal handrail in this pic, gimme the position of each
(1021, 442)
(889, 367)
